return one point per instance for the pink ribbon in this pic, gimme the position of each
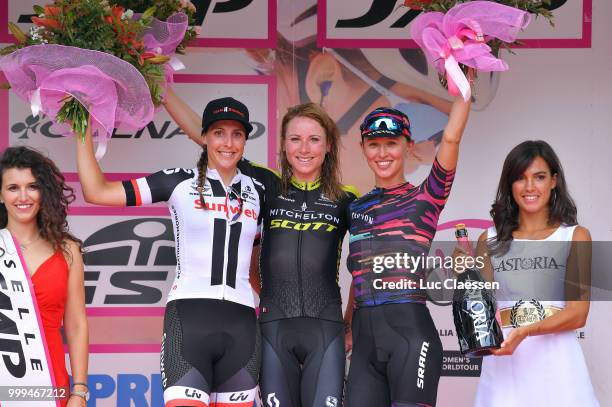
(112, 90)
(460, 35)
(162, 37)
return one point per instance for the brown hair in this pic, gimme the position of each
(505, 211)
(202, 166)
(55, 195)
(330, 171)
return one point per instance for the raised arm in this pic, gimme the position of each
(96, 189)
(75, 322)
(187, 119)
(449, 146)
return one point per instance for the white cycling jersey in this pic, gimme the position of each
(213, 246)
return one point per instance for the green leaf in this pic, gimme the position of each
(38, 10)
(149, 12)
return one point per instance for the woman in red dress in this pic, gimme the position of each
(33, 207)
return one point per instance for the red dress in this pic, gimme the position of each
(50, 287)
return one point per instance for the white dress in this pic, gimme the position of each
(545, 370)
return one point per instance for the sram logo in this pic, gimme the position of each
(421, 369)
(130, 263)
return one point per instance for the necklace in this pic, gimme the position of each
(24, 246)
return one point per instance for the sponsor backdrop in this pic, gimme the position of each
(273, 55)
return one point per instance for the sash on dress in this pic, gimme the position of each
(24, 357)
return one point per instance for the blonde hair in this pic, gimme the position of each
(330, 171)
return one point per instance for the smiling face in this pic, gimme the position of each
(305, 145)
(532, 190)
(225, 141)
(386, 156)
(21, 195)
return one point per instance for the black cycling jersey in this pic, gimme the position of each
(301, 244)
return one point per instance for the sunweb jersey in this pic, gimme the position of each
(213, 245)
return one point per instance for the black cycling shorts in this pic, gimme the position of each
(302, 363)
(397, 357)
(210, 353)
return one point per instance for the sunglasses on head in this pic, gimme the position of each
(389, 123)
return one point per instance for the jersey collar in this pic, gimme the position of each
(212, 173)
(306, 186)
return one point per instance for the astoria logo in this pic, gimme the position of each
(528, 264)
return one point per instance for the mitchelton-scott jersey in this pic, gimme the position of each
(390, 222)
(213, 246)
(301, 246)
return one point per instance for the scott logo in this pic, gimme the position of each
(272, 401)
(378, 12)
(331, 401)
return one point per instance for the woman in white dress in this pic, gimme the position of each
(541, 258)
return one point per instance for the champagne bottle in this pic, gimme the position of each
(478, 331)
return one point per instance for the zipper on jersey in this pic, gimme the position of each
(299, 255)
(226, 245)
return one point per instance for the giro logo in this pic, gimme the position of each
(202, 8)
(379, 11)
(272, 400)
(130, 263)
(227, 6)
(383, 23)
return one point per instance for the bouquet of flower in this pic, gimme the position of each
(459, 35)
(165, 9)
(87, 61)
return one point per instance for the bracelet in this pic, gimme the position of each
(80, 384)
(81, 394)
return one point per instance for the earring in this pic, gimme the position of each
(324, 88)
(554, 197)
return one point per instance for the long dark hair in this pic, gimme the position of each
(330, 171)
(55, 194)
(504, 210)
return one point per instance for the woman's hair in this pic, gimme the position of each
(330, 171)
(55, 195)
(504, 210)
(202, 166)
